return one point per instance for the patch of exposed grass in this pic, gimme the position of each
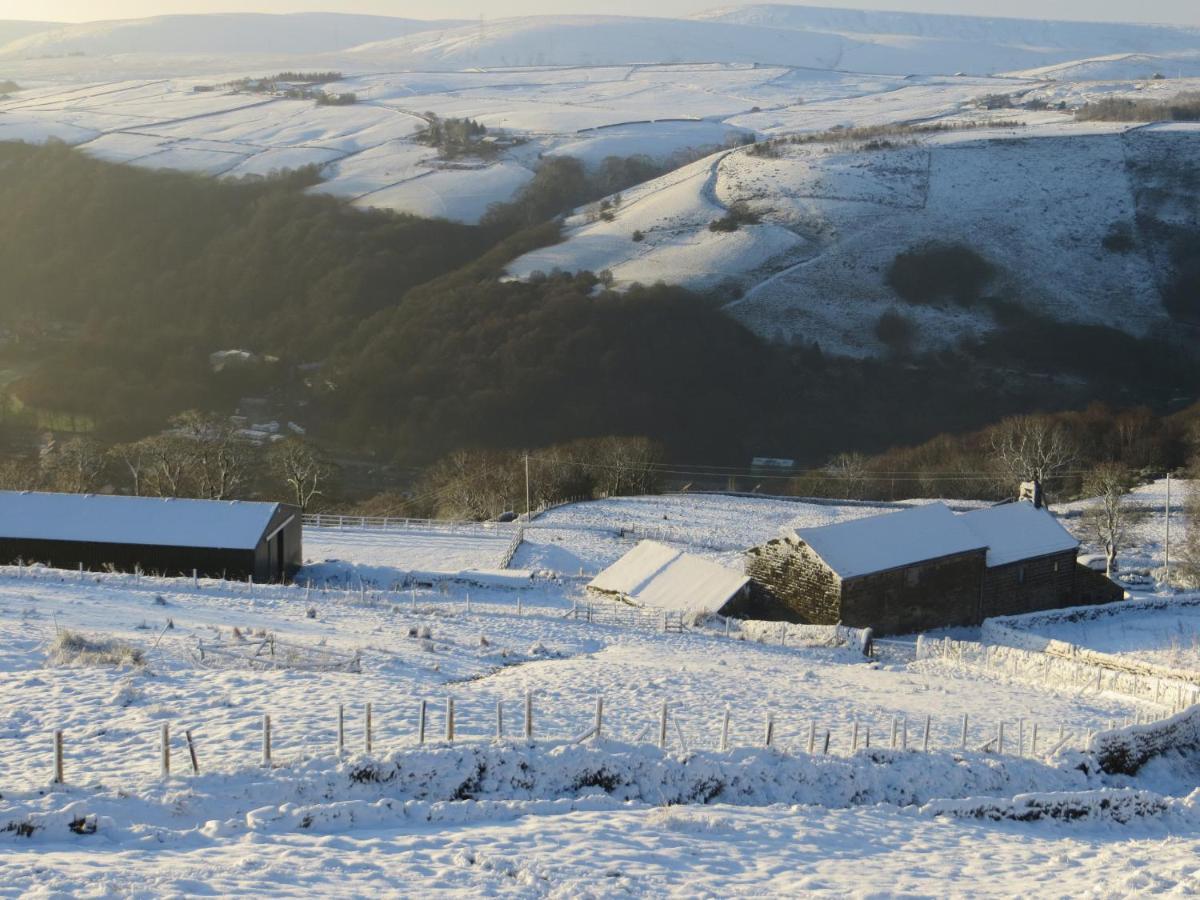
(71, 648)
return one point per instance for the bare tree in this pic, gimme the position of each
(624, 465)
(1031, 448)
(20, 474)
(75, 466)
(169, 465)
(849, 472)
(219, 461)
(1189, 568)
(135, 459)
(302, 468)
(1113, 515)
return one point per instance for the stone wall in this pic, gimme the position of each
(1030, 585)
(934, 594)
(791, 582)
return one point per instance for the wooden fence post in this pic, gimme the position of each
(266, 741)
(825, 752)
(599, 718)
(58, 756)
(529, 715)
(1033, 740)
(421, 724)
(662, 727)
(191, 745)
(1000, 737)
(499, 720)
(367, 731)
(964, 732)
(854, 737)
(925, 740)
(1020, 737)
(725, 730)
(895, 732)
(812, 736)
(449, 720)
(341, 730)
(769, 734)
(904, 733)
(165, 750)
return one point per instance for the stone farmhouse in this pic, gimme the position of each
(924, 567)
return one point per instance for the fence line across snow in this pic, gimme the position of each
(408, 723)
(1021, 632)
(1061, 671)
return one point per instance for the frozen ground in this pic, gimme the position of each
(555, 830)
(1166, 637)
(389, 554)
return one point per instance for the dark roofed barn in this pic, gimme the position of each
(168, 536)
(924, 567)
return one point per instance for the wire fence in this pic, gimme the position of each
(408, 723)
(388, 523)
(1060, 672)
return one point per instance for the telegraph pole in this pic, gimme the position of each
(1167, 552)
(526, 487)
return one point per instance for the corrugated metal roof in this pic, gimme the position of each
(657, 576)
(147, 521)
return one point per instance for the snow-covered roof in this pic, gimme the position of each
(892, 540)
(153, 521)
(1018, 531)
(661, 577)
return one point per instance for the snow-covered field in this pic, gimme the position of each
(383, 555)
(603, 818)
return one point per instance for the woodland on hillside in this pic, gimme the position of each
(397, 339)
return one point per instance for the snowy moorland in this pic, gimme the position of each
(1014, 177)
(565, 813)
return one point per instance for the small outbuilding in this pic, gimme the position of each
(168, 536)
(925, 567)
(655, 576)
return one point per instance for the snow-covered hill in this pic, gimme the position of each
(844, 40)
(895, 43)
(233, 33)
(1039, 203)
(15, 29)
(1073, 38)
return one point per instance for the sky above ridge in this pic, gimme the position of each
(1186, 12)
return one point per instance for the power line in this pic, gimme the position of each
(722, 472)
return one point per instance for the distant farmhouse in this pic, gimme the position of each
(655, 576)
(925, 567)
(216, 538)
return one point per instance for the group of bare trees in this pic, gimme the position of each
(199, 455)
(481, 484)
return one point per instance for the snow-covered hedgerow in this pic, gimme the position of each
(805, 635)
(1120, 806)
(318, 796)
(1124, 751)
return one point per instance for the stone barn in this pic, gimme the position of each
(168, 536)
(924, 567)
